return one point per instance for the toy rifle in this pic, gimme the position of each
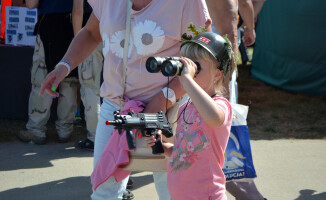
(147, 123)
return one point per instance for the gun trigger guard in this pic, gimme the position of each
(142, 132)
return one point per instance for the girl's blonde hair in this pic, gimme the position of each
(194, 52)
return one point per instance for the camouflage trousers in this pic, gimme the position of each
(40, 106)
(89, 73)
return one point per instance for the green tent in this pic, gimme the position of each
(290, 49)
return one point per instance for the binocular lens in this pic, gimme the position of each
(172, 68)
(169, 66)
(153, 64)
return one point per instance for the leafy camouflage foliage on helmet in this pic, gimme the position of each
(227, 63)
(193, 29)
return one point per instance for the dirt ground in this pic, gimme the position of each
(276, 114)
(273, 113)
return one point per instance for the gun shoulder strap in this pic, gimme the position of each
(125, 51)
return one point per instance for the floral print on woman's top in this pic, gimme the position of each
(146, 36)
(189, 140)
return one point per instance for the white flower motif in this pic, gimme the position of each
(180, 135)
(106, 44)
(186, 128)
(197, 120)
(182, 157)
(148, 37)
(117, 43)
(190, 146)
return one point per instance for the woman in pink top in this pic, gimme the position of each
(155, 30)
(204, 122)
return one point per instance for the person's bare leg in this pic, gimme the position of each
(244, 190)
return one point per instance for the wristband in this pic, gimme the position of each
(169, 94)
(66, 64)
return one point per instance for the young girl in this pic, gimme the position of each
(204, 122)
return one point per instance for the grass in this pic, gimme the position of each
(273, 113)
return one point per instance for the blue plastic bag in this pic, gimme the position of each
(238, 164)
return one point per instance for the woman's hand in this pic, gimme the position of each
(53, 79)
(150, 141)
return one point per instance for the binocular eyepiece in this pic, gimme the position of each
(169, 66)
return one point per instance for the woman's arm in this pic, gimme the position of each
(80, 48)
(77, 15)
(84, 43)
(32, 4)
(159, 102)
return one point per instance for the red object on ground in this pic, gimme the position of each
(4, 3)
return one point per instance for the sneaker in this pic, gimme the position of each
(38, 140)
(24, 136)
(130, 183)
(85, 144)
(127, 195)
(64, 139)
(78, 122)
(27, 136)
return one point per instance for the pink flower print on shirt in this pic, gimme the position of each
(182, 157)
(180, 135)
(186, 128)
(183, 161)
(182, 123)
(186, 149)
(191, 157)
(190, 146)
(197, 120)
(200, 132)
(205, 145)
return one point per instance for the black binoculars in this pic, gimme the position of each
(169, 66)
